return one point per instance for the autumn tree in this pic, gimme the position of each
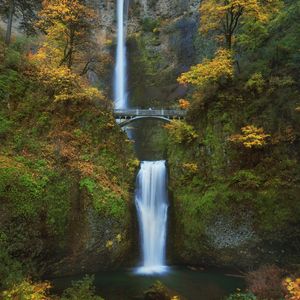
(210, 70)
(252, 137)
(224, 17)
(69, 23)
(64, 55)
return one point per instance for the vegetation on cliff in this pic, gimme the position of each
(66, 168)
(236, 183)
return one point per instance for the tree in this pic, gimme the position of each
(64, 55)
(210, 71)
(25, 10)
(225, 16)
(252, 137)
(69, 23)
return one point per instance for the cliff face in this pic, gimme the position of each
(66, 178)
(161, 44)
(235, 201)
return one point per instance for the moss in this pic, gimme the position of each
(60, 164)
(149, 24)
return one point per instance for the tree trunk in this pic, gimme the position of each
(228, 38)
(10, 21)
(71, 50)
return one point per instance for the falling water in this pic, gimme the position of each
(120, 89)
(152, 206)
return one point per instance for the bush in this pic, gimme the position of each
(246, 179)
(5, 126)
(241, 296)
(265, 283)
(181, 132)
(82, 289)
(27, 290)
(149, 24)
(292, 287)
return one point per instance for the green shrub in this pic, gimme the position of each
(241, 296)
(149, 24)
(80, 290)
(5, 126)
(10, 269)
(246, 179)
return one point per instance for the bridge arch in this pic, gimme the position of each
(125, 122)
(127, 116)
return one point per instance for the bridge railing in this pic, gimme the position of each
(149, 112)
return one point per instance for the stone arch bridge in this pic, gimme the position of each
(126, 116)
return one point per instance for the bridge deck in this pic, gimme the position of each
(168, 113)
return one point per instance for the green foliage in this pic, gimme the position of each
(181, 132)
(105, 200)
(246, 179)
(256, 83)
(5, 126)
(241, 296)
(248, 172)
(12, 85)
(50, 149)
(82, 289)
(58, 204)
(149, 24)
(88, 184)
(21, 190)
(10, 269)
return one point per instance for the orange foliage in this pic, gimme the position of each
(292, 287)
(184, 104)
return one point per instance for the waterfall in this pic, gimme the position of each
(120, 77)
(151, 201)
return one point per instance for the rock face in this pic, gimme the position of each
(161, 46)
(93, 241)
(161, 38)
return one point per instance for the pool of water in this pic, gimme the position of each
(192, 285)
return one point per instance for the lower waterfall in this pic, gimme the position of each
(151, 199)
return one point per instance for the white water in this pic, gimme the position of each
(151, 201)
(120, 77)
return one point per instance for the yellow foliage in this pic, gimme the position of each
(225, 16)
(251, 137)
(209, 71)
(190, 167)
(67, 24)
(66, 85)
(256, 83)
(293, 288)
(119, 237)
(109, 244)
(181, 132)
(27, 290)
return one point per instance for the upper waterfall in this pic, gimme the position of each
(120, 75)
